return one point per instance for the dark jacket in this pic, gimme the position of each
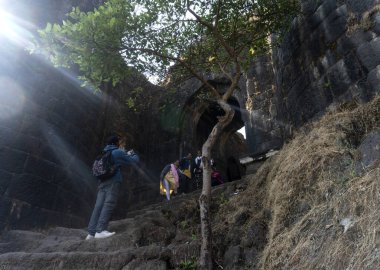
(186, 164)
(121, 158)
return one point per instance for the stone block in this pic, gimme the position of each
(60, 177)
(323, 95)
(347, 44)
(359, 91)
(7, 136)
(28, 144)
(292, 109)
(328, 60)
(5, 180)
(53, 154)
(5, 209)
(10, 112)
(338, 78)
(308, 7)
(31, 125)
(54, 104)
(376, 21)
(72, 204)
(78, 186)
(39, 88)
(306, 108)
(40, 168)
(12, 160)
(24, 216)
(322, 91)
(12, 122)
(33, 190)
(360, 6)
(54, 121)
(373, 79)
(369, 54)
(78, 221)
(321, 13)
(335, 25)
(369, 149)
(80, 171)
(314, 45)
(353, 68)
(73, 114)
(285, 54)
(294, 39)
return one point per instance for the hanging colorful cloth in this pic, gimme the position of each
(173, 180)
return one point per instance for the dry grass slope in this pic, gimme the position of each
(312, 206)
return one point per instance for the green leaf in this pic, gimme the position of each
(160, 36)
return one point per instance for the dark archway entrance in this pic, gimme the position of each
(230, 146)
(200, 116)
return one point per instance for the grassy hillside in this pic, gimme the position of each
(315, 205)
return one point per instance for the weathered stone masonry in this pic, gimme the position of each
(49, 133)
(330, 56)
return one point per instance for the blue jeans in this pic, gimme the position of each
(105, 203)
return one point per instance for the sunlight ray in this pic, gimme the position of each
(12, 98)
(16, 30)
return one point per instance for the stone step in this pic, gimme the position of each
(150, 238)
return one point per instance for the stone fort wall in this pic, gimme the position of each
(330, 56)
(49, 132)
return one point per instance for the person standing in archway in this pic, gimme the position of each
(186, 173)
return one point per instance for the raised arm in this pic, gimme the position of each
(123, 158)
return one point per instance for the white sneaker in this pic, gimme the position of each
(89, 236)
(104, 234)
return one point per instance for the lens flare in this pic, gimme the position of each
(12, 98)
(15, 30)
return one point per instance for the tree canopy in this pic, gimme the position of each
(153, 35)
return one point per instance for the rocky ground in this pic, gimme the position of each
(161, 236)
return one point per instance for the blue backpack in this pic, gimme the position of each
(104, 166)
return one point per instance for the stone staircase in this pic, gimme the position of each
(160, 236)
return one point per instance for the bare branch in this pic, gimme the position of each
(215, 32)
(217, 13)
(181, 62)
(234, 83)
(222, 68)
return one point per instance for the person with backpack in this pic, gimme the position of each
(169, 179)
(107, 169)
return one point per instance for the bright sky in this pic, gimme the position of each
(242, 131)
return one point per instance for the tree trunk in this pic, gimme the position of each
(205, 261)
